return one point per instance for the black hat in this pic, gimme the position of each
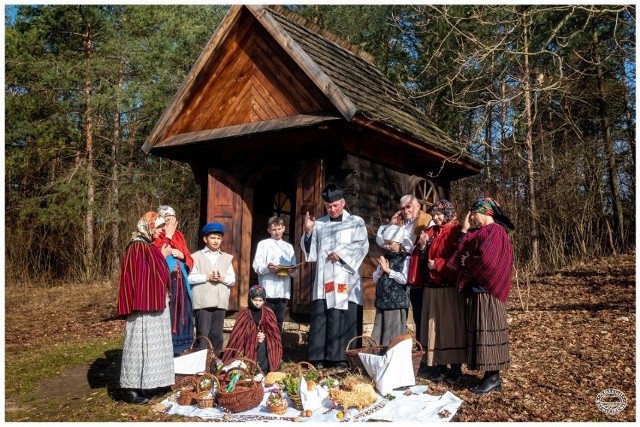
(332, 193)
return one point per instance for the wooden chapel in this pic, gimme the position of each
(273, 109)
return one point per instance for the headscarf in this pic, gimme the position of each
(166, 210)
(445, 208)
(256, 291)
(147, 223)
(488, 206)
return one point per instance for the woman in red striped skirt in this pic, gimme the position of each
(483, 263)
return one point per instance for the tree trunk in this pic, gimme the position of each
(115, 224)
(89, 215)
(612, 167)
(535, 250)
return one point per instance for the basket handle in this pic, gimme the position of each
(252, 370)
(212, 377)
(415, 341)
(227, 378)
(299, 367)
(371, 340)
(196, 340)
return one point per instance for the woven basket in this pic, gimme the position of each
(300, 369)
(352, 355)
(204, 400)
(416, 352)
(247, 393)
(416, 356)
(187, 391)
(211, 356)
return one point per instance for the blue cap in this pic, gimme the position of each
(212, 227)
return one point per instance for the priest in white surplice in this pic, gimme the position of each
(338, 243)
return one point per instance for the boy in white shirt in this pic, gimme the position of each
(210, 279)
(271, 255)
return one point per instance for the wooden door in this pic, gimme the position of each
(226, 205)
(309, 186)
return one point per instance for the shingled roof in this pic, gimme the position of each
(372, 93)
(349, 79)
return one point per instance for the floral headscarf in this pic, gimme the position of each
(147, 223)
(488, 206)
(445, 208)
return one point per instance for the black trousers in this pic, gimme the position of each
(279, 306)
(331, 330)
(415, 296)
(210, 323)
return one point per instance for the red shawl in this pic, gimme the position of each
(244, 337)
(176, 242)
(442, 247)
(489, 263)
(144, 279)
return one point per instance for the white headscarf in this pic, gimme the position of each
(398, 234)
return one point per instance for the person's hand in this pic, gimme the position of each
(431, 264)
(214, 276)
(171, 224)
(397, 218)
(273, 267)
(423, 240)
(261, 337)
(292, 271)
(333, 257)
(466, 224)
(463, 257)
(177, 253)
(384, 264)
(309, 222)
(166, 250)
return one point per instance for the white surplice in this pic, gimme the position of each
(347, 238)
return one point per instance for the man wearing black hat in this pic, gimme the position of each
(338, 242)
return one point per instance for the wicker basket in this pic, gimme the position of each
(416, 352)
(352, 355)
(204, 400)
(247, 393)
(187, 391)
(416, 356)
(300, 369)
(211, 356)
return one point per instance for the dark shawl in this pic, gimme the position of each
(489, 263)
(244, 337)
(144, 279)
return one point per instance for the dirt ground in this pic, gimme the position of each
(572, 336)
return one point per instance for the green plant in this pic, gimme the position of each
(290, 384)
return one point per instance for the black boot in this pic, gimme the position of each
(491, 382)
(131, 395)
(436, 371)
(455, 372)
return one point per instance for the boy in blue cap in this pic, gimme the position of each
(210, 280)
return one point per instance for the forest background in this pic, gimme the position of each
(543, 95)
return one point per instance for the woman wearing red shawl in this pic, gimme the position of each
(256, 333)
(180, 264)
(147, 354)
(443, 331)
(482, 263)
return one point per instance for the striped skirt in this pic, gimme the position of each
(487, 334)
(147, 355)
